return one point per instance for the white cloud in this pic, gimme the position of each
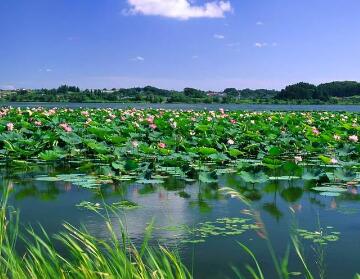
(8, 87)
(261, 45)
(47, 70)
(179, 9)
(259, 23)
(138, 58)
(219, 36)
(195, 57)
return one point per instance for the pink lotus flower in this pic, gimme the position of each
(135, 143)
(85, 113)
(230, 141)
(51, 112)
(38, 123)
(161, 145)
(353, 138)
(333, 161)
(315, 132)
(298, 159)
(336, 137)
(150, 119)
(10, 126)
(233, 121)
(66, 127)
(153, 126)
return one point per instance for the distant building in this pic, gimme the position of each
(215, 94)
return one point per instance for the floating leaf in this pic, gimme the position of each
(334, 189)
(250, 177)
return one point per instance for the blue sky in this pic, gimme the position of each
(177, 43)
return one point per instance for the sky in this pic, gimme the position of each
(172, 44)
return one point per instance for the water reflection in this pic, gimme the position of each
(201, 196)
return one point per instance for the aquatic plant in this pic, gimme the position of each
(86, 256)
(143, 144)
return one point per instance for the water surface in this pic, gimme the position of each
(281, 205)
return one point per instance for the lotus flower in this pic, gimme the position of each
(353, 138)
(230, 141)
(315, 132)
(66, 127)
(298, 159)
(10, 126)
(161, 145)
(135, 143)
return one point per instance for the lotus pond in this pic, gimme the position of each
(205, 181)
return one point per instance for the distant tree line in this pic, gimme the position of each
(300, 92)
(322, 92)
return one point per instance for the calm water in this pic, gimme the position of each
(255, 107)
(52, 203)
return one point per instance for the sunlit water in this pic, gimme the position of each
(53, 203)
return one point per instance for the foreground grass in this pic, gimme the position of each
(87, 256)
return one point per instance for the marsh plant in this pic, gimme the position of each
(86, 256)
(281, 264)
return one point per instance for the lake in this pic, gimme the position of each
(232, 107)
(281, 204)
(206, 181)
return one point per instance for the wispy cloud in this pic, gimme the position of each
(47, 70)
(259, 23)
(138, 59)
(7, 87)
(219, 36)
(195, 57)
(179, 9)
(262, 45)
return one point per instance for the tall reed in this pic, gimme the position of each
(86, 256)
